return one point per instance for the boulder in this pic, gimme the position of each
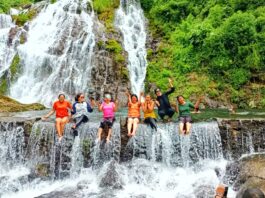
(251, 173)
(111, 178)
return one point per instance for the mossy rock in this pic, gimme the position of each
(14, 67)
(3, 86)
(10, 105)
(114, 46)
(22, 18)
(86, 146)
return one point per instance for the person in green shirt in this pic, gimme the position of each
(183, 108)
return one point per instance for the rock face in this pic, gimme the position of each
(251, 173)
(108, 74)
(111, 178)
(242, 137)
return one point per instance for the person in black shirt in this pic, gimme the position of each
(162, 102)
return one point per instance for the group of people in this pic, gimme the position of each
(80, 110)
(164, 110)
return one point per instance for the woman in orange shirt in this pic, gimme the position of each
(61, 107)
(133, 113)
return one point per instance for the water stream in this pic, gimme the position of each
(163, 164)
(57, 55)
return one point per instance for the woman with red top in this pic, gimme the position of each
(62, 108)
(134, 106)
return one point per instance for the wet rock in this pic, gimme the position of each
(241, 137)
(203, 191)
(66, 193)
(83, 185)
(251, 173)
(231, 173)
(111, 178)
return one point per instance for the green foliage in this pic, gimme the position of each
(113, 46)
(86, 146)
(53, 1)
(210, 47)
(3, 86)
(22, 18)
(14, 67)
(106, 11)
(5, 5)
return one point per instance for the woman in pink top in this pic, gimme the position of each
(108, 108)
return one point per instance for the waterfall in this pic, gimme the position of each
(38, 159)
(9, 39)
(57, 55)
(130, 20)
(164, 163)
(171, 148)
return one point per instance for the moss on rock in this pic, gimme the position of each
(14, 67)
(10, 105)
(22, 18)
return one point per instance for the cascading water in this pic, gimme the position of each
(130, 20)
(8, 45)
(164, 163)
(31, 166)
(57, 55)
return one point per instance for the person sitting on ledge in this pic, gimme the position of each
(80, 111)
(62, 108)
(183, 108)
(108, 108)
(162, 102)
(134, 106)
(149, 113)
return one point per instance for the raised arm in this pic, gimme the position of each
(100, 106)
(140, 98)
(129, 96)
(171, 87)
(196, 106)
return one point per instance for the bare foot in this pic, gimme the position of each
(60, 138)
(108, 140)
(129, 134)
(74, 126)
(133, 134)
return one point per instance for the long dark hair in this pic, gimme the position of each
(179, 97)
(78, 96)
(134, 96)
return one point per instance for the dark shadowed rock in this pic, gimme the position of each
(111, 178)
(241, 136)
(66, 193)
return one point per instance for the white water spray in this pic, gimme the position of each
(57, 56)
(130, 20)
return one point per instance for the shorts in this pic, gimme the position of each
(134, 118)
(185, 119)
(107, 122)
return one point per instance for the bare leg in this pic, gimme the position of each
(99, 133)
(181, 125)
(135, 125)
(109, 135)
(63, 123)
(129, 126)
(188, 125)
(58, 126)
